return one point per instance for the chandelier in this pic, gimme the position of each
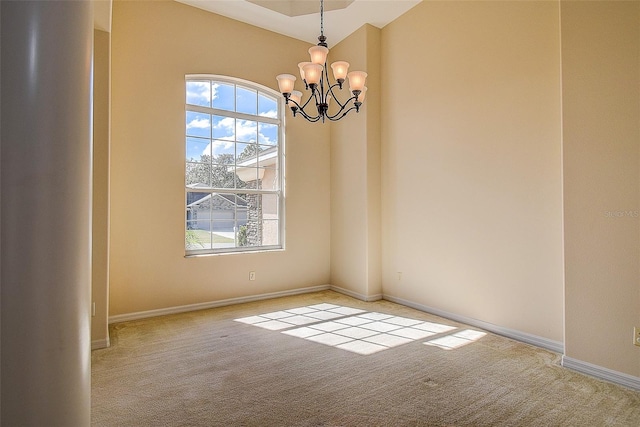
(316, 80)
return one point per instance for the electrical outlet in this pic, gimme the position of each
(636, 336)
(252, 275)
(399, 275)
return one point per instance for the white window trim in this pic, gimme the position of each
(280, 121)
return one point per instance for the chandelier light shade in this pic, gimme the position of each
(285, 82)
(315, 76)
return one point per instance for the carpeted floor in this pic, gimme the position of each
(244, 365)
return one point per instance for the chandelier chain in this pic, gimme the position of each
(322, 17)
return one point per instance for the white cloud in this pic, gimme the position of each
(246, 130)
(227, 89)
(265, 139)
(218, 147)
(224, 131)
(198, 93)
(199, 123)
(271, 113)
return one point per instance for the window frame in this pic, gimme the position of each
(280, 170)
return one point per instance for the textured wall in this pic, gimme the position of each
(154, 44)
(100, 220)
(355, 175)
(601, 153)
(471, 169)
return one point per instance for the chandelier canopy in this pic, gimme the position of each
(315, 76)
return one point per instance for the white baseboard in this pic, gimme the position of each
(548, 344)
(212, 304)
(356, 295)
(98, 344)
(601, 373)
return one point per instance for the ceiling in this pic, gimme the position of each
(300, 7)
(300, 19)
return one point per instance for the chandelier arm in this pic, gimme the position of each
(298, 106)
(306, 115)
(309, 118)
(340, 111)
(345, 105)
(334, 118)
(323, 95)
(300, 110)
(333, 95)
(302, 107)
(318, 92)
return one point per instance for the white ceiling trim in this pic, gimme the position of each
(300, 7)
(338, 24)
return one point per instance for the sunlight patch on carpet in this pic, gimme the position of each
(457, 340)
(359, 331)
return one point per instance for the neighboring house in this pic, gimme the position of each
(214, 211)
(227, 212)
(260, 170)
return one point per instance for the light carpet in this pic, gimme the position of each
(207, 368)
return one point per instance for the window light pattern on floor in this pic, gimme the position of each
(357, 330)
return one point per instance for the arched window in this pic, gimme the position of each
(233, 166)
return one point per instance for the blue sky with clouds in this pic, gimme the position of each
(213, 134)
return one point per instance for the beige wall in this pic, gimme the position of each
(154, 45)
(471, 170)
(355, 175)
(100, 208)
(601, 126)
(460, 188)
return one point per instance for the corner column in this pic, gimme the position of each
(46, 80)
